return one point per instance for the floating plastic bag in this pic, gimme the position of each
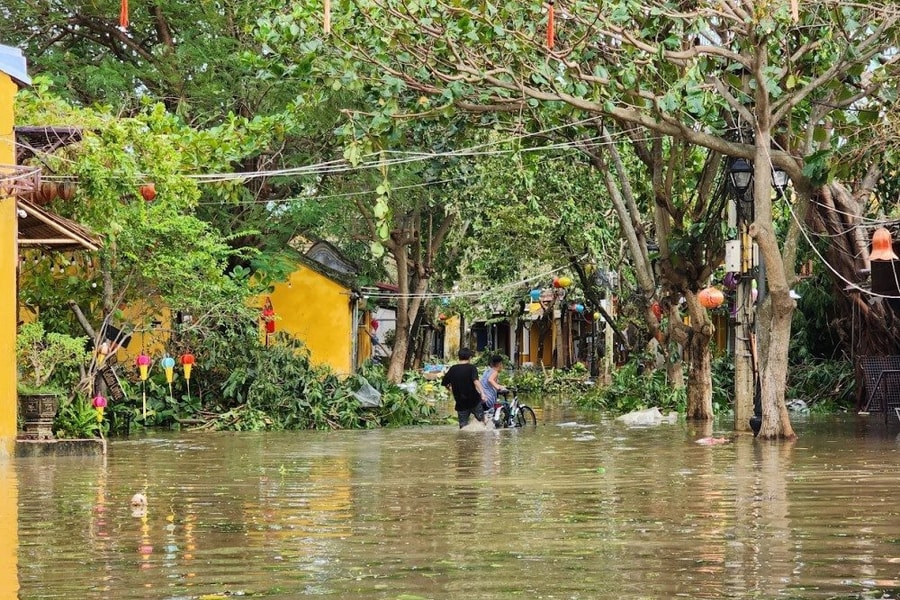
(368, 396)
(647, 417)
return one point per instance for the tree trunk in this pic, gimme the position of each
(699, 391)
(774, 324)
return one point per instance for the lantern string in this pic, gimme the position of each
(375, 293)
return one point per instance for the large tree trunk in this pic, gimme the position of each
(699, 391)
(774, 324)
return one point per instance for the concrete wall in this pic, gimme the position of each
(316, 310)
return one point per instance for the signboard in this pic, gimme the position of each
(113, 387)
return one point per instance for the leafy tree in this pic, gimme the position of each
(749, 79)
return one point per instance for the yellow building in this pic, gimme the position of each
(319, 305)
(13, 74)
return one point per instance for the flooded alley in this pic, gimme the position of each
(580, 507)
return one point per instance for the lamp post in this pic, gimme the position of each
(752, 270)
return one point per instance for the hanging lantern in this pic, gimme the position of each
(565, 282)
(556, 283)
(143, 363)
(597, 315)
(268, 316)
(374, 324)
(754, 293)
(535, 294)
(187, 361)
(579, 308)
(657, 310)
(711, 297)
(168, 363)
(99, 404)
(442, 317)
(102, 351)
(148, 192)
(123, 14)
(882, 245)
(731, 280)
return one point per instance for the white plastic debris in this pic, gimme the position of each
(647, 417)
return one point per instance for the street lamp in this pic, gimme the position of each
(741, 176)
(741, 172)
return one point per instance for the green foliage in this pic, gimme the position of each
(41, 355)
(632, 390)
(248, 386)
(77, 418)
(825, 385)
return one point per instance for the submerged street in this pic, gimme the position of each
(580, 507)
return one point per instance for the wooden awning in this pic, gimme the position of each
(43, 229)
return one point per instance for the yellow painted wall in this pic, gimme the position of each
(316, 310)
(8, 253)
(9, 580)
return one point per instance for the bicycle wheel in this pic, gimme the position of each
(501, 418)
(525, 416)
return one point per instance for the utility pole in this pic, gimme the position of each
(739, 218)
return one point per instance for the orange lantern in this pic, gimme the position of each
(882, 245)
(711, 297)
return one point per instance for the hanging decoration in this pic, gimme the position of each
(551, 25)
(657, 310)
(754, 293)
(99, 404)
(143, 363)
(731, 280)
(711, 297)
(579, 308)
(102, 351)
(562, 282)
(123, 15)
(187, 362)
(535, 294)
(268, 317)
(168, 363)
(882, 245)
(148, 191)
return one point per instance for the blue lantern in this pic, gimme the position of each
(535, 295)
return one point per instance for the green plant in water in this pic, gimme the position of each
(78, 419)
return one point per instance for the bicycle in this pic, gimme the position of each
(512, 413)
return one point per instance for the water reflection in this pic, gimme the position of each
(590, 510)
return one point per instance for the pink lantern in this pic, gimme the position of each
(143, 363)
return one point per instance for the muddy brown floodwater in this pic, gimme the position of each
(593, 510)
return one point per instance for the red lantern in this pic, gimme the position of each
(268, 316)
(657, 310)
(374, 325)
(148, 191)
(556, 283)
(711, 297)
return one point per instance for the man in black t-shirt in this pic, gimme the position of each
(462, 379)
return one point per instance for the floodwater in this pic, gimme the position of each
(563, 511)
